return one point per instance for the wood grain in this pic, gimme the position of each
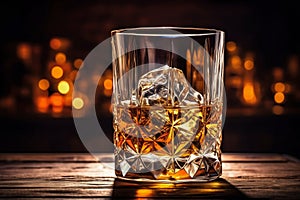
(71, 176)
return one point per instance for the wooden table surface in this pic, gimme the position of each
(83, 176)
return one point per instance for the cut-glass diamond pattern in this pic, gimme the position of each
(168, 142)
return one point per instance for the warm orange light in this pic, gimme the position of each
(60, 58)
(107, 84)
(236, 62)
(57, 109)
(278, 73)
(44, 84)
(107, 92)
(56, 99)
(24, 51)
(235, 82)
(57, 72)
(42, 103)
(77, 103)
(77, 63)
(188, 57)
(55, 43)
(188, 64)
(231, 46)
(63, 87)
(277, 109)
(249, 93)
(279, 87)
(197, 57)
(59, 43)
(249, 64)
(279, 97)
(143, 193)
(57, 102)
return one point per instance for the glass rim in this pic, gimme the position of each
(134, 31)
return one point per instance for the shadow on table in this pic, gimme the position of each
(218, 189)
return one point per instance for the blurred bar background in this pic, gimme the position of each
(44, 43)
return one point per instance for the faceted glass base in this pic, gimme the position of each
(168, 169)
(147, 177)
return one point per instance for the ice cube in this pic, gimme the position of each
(167, 86)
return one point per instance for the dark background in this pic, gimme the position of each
(267, 29)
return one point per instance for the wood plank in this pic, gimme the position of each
(87, 157)
(257, 157)
(62, 176)
(49, 157)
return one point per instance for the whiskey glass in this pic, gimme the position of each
(168, 103)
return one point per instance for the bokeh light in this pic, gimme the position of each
(279, 87)
(107, 84)
(249, 64)
(277, 109)
(279, 97)
(77, 63)
(24, 51)
(55, 43)
(42, 104)
(236, 62)
(60, 58)
(249, 93)
(231, 46)
(44, 84)
(56, 99)
(57, 72)
(278, 73)
(63, 87)
(77, 103)
(107, 93)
